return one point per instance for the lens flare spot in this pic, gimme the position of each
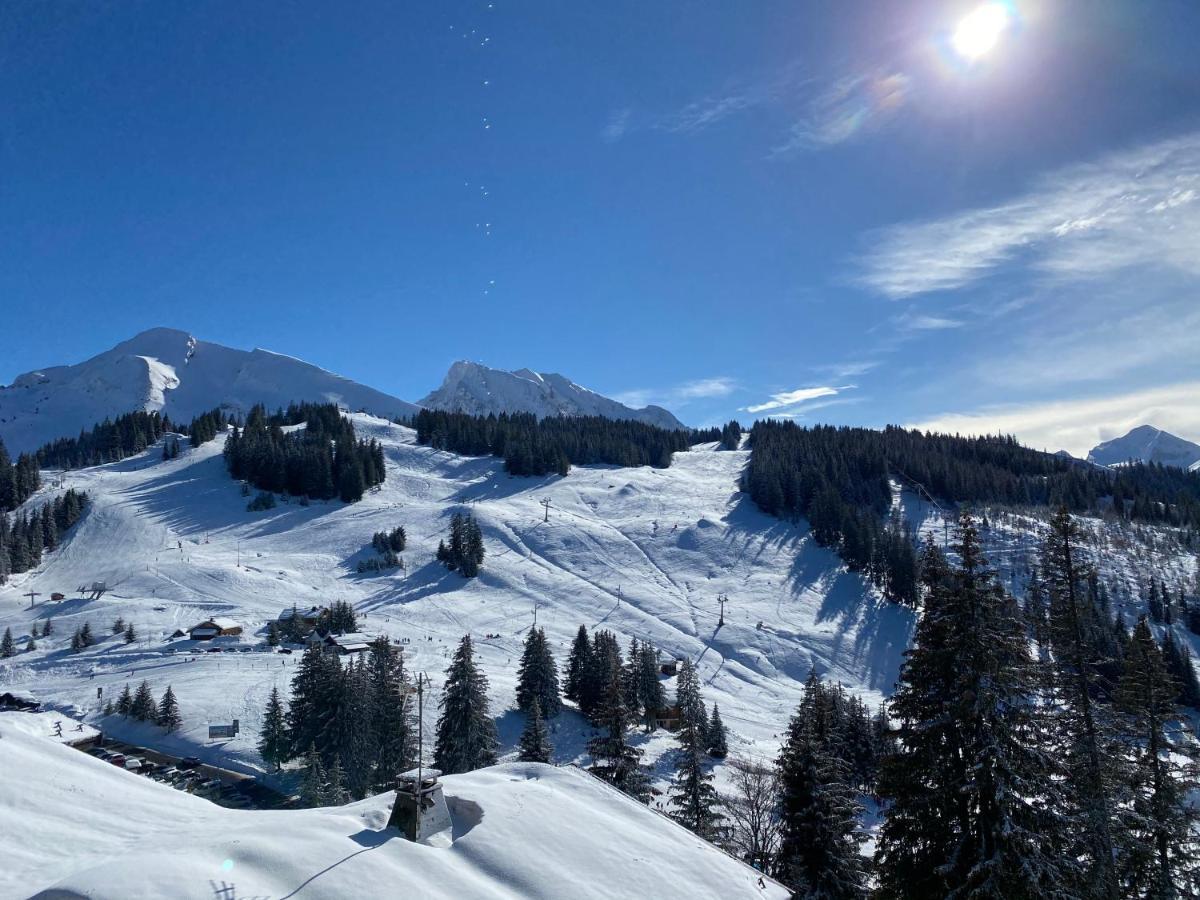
(979, 32)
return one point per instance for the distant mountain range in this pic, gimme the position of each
(1147, 444)
(172, 372)
(473, 388)
(176, 374)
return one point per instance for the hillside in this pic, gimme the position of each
(477, 389)
(644, 552)
(520, 831)
(172, 372)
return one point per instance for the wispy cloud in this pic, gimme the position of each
(1078, 425)
(679, 394)
(915, 321)
(786, 399)
(849, 107)
(1131, 209)
(618, 124)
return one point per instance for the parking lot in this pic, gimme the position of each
(230, 789)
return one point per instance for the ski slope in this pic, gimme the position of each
(643, 552)
(88, 829)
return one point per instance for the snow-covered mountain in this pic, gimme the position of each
(170, 371)
(477, 389)
(1147, 444)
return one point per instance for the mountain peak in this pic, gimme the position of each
(169, 370)
(480, 390)
(1146, 443)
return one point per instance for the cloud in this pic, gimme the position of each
(793, 398)
(679, 394)
(1136, 208)
(913, 321)
(1078, 425)
(845, 109)
(618, 124)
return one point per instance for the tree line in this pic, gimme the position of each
(19, 480)
(1021, 761)
(26, 535)
(141, 706)
(322, 461)
(532, 446)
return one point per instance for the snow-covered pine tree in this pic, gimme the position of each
(1161, 859)
(716, 741)
(614, 759)
(85, 635)
(535, 740)
(49, 628)
(168, 711)
(144, 709)
(537, 676)
(578, 662)
(30, 645)
(820, 834)
(651, 693)
(309, 711)
(273, 744)
(971, 789)
(391, 709)
(466, 733)
(594, 682)
(336, 791)
(687, 697)
(118, 625)
(76, 642)
(130, 633)
(7, 647)
(347, 737)
(1073, 629)
(630, 681)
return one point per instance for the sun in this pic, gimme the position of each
(979, 31)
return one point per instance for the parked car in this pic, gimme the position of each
(287, 650)
(117, 759)
(133, 764)
(188, 762)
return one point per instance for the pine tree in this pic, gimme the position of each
(692, 794)
(1162, 852)
(715, 738)
(313, 790)
(118, 625)
(168, 711)
(273, 745)
(614, 760)
(578, 663)
(130, 633)
(466, 733)
(85, 635)
(687, 697)
(535, 741)
(34, 631)
(650, 689)
(336, 791)
(308, 712)
(30, 645)
(7, 649)
(144, 709)
(818, 854)
(970, 784)
(1073, 634)
(49, 629)
(272, 634)
(392, 716)
(537, 676)
(125, 701)
(76, 642)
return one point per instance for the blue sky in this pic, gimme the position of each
(814, 210)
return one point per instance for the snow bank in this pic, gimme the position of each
(87, 829)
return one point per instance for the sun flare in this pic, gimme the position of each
(980, 30)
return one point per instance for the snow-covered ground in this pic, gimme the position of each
(77, 827)
(644, 552)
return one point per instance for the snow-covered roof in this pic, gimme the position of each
(219, 623)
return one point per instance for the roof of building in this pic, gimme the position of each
(310, 613)
(222, 624)
(353, 639)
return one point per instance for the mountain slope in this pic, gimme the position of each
(644, 552)
(1147, 444)
(176, 374)
(524, 830)
(473, 388)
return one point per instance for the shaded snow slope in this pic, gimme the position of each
(170, 371)
(644, 552)
(1147, 444)
(473, 388)
(87, 829)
